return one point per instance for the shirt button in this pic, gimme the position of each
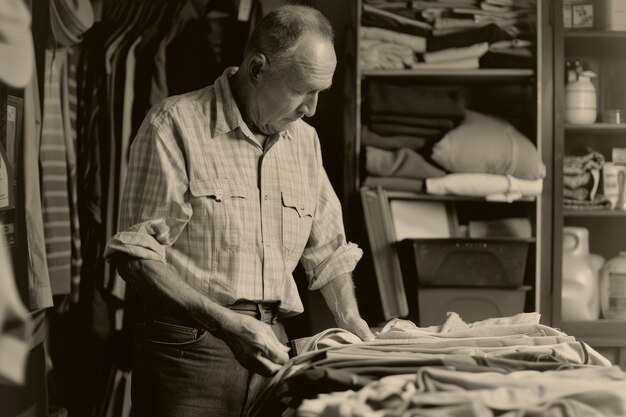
(266, 196)
(267, 244)
(219, 192)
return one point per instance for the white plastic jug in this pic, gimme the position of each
(580, 290)
(580, 99)
(614, 288)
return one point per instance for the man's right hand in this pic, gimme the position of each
(254, 344)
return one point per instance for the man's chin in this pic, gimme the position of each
(277, 128)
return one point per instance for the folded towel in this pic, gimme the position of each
(600, 202)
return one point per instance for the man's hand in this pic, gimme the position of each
(356, 325)
(254, 344)
(339, 296)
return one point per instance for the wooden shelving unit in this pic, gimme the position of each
(532, 98)
(487, 75)
(602, 49)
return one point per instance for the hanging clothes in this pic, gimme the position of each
(54, 178)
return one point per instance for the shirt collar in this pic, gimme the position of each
(228, 116)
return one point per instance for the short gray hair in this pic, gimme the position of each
(278, 32)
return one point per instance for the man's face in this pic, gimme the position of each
(287, 94)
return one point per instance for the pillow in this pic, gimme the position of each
(488, 145)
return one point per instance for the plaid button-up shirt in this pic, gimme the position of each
(233, 218)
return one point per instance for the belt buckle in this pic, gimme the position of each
(268, 314)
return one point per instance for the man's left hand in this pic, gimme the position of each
(357, 326)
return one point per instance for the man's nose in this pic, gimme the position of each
(309, 105)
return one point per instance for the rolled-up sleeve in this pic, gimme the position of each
(155, 202)
(327, 254)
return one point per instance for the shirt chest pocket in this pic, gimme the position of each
(296, 221)
(219, 211)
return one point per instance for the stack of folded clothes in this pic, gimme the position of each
(403, 122)
(423, 139)
(502, 366)
(581, 179)
(442, 34)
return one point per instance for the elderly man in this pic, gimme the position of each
(225, 193)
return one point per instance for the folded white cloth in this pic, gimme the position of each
(376, 54)
(494, 187)
(416, 43)
(456, 54)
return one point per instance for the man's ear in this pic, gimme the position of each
(258, 66)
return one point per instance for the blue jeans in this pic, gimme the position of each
(180, 371)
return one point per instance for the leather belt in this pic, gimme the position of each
(265, 312)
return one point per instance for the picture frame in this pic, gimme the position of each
(582, 16)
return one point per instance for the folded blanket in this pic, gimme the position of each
(404, 163)
(600, 202)
(390, 129)
(440, 123)
(406, 98)
(483, 185)
(395, 184)
(392, 143)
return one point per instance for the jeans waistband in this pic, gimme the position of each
(265, 312)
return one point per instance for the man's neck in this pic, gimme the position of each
(239, 92)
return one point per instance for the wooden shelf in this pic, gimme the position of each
(407, 195)
(590, 34)
(596, 127)
(489, 75)
(594, 213)
(602, 332)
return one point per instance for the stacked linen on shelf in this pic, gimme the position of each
(581, 179)
(508, 364)
(446, 35)
(403, 122)
(489, 158)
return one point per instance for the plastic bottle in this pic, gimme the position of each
(580, 299)
(580, 99)
(613, 288)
